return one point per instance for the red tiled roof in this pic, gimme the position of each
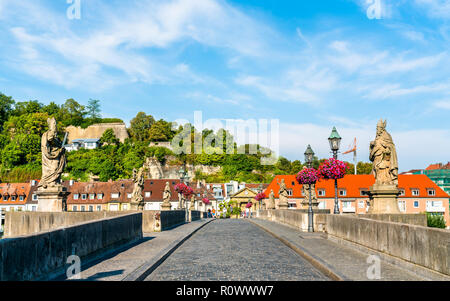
(14, 189)
(353, 184)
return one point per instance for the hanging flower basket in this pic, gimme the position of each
(333, 169)
(308, 176)
(206, 201)
(249, 205)
(260, 196)
(184, 190)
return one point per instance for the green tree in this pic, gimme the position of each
(435, 221)
(364, 168)
(72, 113)
(6, 105)
(109, 137)
(27, 107)
(161, 131)
(93, 109)
(140, 126)
(296, 167)
(51, 109)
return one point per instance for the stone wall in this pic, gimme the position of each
(96, 131)
(428, 247)
(170, 219)
(25, 223)
(412, 219)
(195, 215)
(296, 218)
(41, 256)
(156, 170)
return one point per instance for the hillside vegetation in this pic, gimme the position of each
(23, 123)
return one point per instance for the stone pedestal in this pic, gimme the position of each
(384, 199)
(305, 205)
(52, 199)
(137, 206)
(283, 204)
(166, 207)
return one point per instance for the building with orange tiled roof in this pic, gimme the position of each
(418, 194)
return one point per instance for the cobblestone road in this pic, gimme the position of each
(234, 250)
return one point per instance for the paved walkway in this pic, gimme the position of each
(234, 250)
(347, 262)
(140, 256)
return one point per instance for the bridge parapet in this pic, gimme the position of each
(424, 246)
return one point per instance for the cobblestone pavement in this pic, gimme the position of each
(346, 261)
(234, 250)
(118, 266)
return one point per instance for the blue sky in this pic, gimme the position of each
(311, 64)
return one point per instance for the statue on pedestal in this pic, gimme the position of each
(270, 204)
(384, 193)
(53, 157)
(167, 194)
(137, 200)
(192, 207)
(305, 192)
(283, 196)
(384, 157)
(52, 195)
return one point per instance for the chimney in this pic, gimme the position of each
(71, 182)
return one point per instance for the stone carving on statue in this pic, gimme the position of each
(384, 157)
(283, 196)
(53, 157)
(167, 194)
(137, 200)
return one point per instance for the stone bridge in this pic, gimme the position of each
(268, 247)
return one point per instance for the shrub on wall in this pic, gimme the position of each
(435, 221)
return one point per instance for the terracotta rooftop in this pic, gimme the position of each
(353, 184)
(9, 191)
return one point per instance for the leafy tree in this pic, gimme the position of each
(93, 109)
(72, 113)
(284, 165)
(51, 109)
(364, 168)
(161, 131)
(6, 105)
(109, 137)
(140, 126)
(296, 167)
(27, 107)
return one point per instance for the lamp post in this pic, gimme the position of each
(335, 142)
(309, 157)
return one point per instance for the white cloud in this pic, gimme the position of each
(435, 8)
(443, 104)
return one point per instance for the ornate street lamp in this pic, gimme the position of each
(309, 157)
(335, 143)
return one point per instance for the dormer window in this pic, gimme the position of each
(342, 192)
(289, 191)
(415, 192)
(114, 195)
(402, 192)
(321, 192)
(364, 192)
(76, 196)
(431, 192)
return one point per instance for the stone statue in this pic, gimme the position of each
(384, 157)
(305, 191)
(137, 200)
(192, 203)
(270, 204)
(383, 195)
(283, 196)
(53, 157)
(167, 194)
